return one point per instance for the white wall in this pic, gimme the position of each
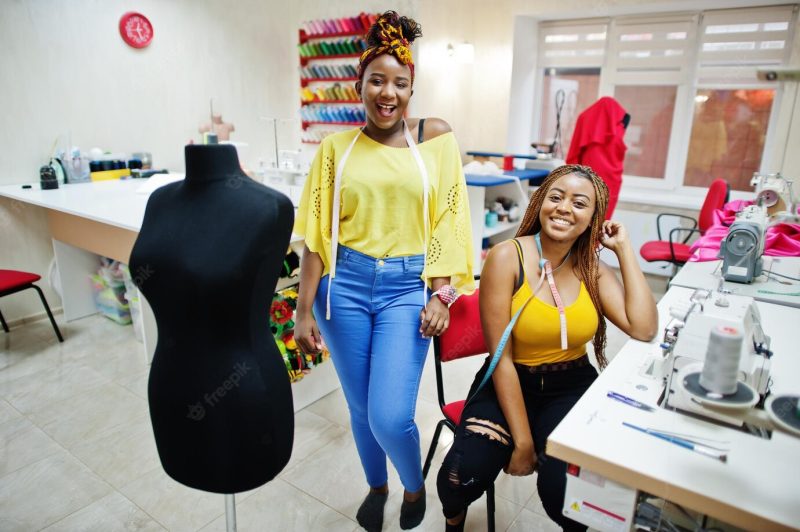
(473, 98)
(791, 162)
(523, 85)
(65, 71)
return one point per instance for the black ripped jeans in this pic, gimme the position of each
(475, 459)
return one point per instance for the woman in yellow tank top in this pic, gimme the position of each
(544, 369)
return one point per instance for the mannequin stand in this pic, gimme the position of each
(230, 513)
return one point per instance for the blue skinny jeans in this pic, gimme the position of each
(377, 349)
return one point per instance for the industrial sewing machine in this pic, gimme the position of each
(741, 251)
(743, 247)
(686, 342)
(611, 506)
(774, 192)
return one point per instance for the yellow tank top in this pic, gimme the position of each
(536, 338)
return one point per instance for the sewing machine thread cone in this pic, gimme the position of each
(744, 396)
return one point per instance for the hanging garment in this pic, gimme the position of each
(598, 143)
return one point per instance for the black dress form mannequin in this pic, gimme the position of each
(207, 259)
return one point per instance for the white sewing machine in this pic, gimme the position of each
(685, 344)
(743, 246)
(774, 192)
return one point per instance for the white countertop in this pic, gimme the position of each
(115, 202)
(778, 290)
(758, 486)
(111, 202)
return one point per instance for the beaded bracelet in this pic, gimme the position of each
(446, 294)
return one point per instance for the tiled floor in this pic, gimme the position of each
(77, 450)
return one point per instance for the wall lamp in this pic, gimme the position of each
(463, 53)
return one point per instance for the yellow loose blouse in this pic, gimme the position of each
(381, 204)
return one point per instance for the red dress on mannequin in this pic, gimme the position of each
(598, 143)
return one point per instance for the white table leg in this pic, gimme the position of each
(75, 265)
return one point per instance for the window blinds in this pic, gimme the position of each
(735, 41)
(576, 43)
(660, 45)
(723, 45)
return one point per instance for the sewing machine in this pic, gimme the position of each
(685, 344)
(743, 247)
(774, 192)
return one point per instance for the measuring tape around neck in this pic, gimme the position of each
(547, 270)
(337, 203)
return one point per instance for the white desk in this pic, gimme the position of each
(87, 220)
(707, 275)
(104, 218)
(756, 489)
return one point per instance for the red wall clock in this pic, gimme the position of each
(135, 29)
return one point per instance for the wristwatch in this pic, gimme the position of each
(446, 294)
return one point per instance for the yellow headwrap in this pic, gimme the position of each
(392, 42)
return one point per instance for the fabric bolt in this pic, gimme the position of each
(598, 142)
(381, 211)
(782, 240)
(378, 353)
(548, 397)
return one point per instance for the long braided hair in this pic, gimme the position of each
(585, 249)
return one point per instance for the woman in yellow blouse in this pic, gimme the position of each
(388, 246)
(551, 279)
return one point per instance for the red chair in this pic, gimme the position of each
(12, 281)
(463, 338)
(676, 251)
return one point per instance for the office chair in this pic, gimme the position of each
(677, 251)
(12, 281)
(463, 338)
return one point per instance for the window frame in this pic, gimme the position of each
(687, 84)
(538, 115)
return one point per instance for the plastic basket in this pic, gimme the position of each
(107, 301)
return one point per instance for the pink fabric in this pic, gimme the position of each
(783, 240)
